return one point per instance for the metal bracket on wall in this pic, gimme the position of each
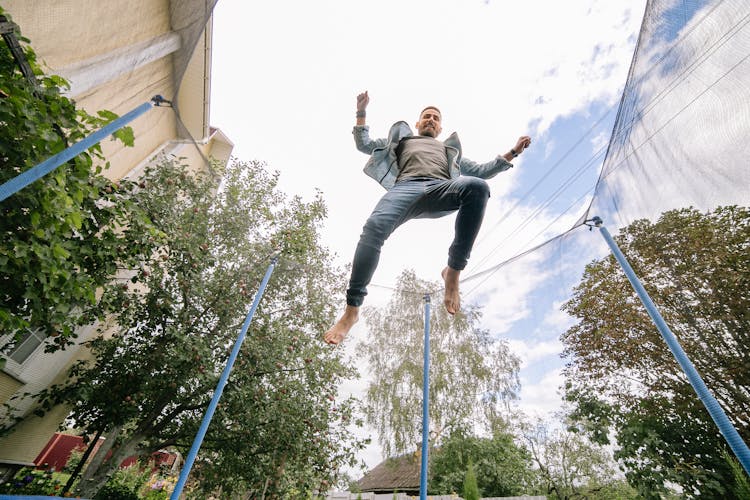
(6, 26)
(8, 31)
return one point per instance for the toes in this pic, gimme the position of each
(450, 306)
(452, 303)
(332, 339)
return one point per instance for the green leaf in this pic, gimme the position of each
(125, 135)
(60, 252)
(75, 219)
(107, 115)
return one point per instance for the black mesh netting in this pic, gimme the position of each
(679, 140)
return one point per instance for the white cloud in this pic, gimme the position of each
(532, 351)
(542, 398)
(599, 142)
(556, 319)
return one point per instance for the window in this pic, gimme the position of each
(26, 345)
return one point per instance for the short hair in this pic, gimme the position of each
(430, 107)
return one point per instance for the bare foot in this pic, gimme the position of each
(338, 332)
(452, 299)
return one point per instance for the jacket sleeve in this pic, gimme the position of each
(484, 170)
(363, 142)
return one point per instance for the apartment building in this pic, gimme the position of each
(116, 55)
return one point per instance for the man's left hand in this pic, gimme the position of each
(522, 143)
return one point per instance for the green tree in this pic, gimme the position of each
(571, 466)
(622, 378)
(502, 467)
(278, 427)
(471, 375)
(471, 489)
(741, 487)
(62, 236)
(124, 483)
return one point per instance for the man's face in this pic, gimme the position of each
(429, 123)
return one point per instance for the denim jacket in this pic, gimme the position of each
(383, 163)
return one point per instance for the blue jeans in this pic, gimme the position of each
(419, 198)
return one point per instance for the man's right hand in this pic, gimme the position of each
(362, 101)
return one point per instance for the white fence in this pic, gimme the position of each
(345, 495)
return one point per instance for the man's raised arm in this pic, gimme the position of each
(362, 101)
(521, 144)
(361, 133)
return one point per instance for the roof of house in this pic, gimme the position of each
(393, 474)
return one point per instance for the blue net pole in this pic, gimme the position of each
(220, 387)
(738, 446)
(35, 173)
(425, 401)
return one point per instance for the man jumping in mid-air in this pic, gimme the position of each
(424, 178)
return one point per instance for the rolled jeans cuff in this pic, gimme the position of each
(457, 264)
(354, 300)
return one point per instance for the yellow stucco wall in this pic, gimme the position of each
(65, 31)
(195, 85)
(28, 438)
(61, 34)
(8, 386)
(151, 129)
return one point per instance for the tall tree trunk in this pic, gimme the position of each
(82, 462)
(98, 460)
(89, 487)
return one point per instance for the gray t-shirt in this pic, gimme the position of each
(422, 156)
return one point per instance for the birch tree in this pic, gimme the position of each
(472, 375)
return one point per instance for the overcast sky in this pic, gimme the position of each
(284, 81)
